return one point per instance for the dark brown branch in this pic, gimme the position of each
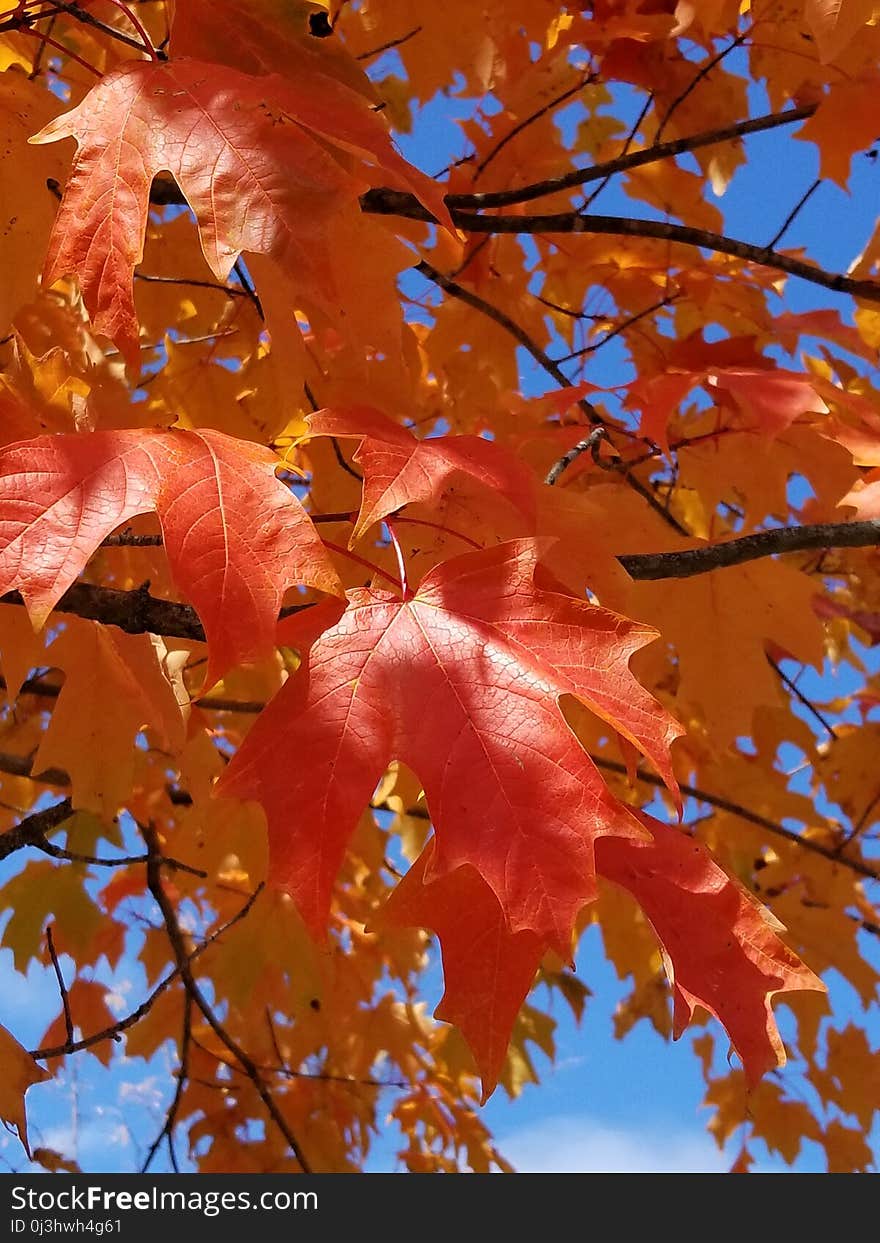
(635, 159)
(248, 288)
(136, 611)
(509, 325)
(65, 999)
(386, 202)
(115, 1031)
(72, 856)
(184, 966)
(792, 215)
(530, 120)
(802, 698)
(691, 561)
(86, 18)
(397, 203)
(167, 1131)
(390, 45)
(33, 830)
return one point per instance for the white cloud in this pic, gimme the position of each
(582, 1145)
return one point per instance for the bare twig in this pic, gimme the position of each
(167, 1132)
(792, 215)
(65, 999)
(802, 698)
(184, 966)
(616, 331)
(698, 78)
(589, 444)
(390, 45)
(33, 831)
(115, 1031)
(743, 813)
(530, 120)
(509, 325)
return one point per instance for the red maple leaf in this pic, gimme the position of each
(462, 683)
(720, 946)
(235, 536)
(250, 155)
(400, 470)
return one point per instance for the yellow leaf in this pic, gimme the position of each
(20, 1072)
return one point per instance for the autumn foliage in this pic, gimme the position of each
(399, 563)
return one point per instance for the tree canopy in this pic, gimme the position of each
(403, 562)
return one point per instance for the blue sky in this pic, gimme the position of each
(631, 1105)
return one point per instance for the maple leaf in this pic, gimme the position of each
(234, 534)
(114, 686)
(20, 1072)
(400, 470)
(250, 156)
(487, 969)
(26, 207)
(461, 682)
(770, 399)
(720, 946)
(836, 22)
(734, 964)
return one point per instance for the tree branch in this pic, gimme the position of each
(115, 1031)
(33, 830)
(184, 966)
(623, 163)
(62, 989)
(691, 561)
(544, 360)
(735, 809)
(136, 611)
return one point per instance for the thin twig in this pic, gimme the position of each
(790, 218)
(247, 287)
(743, 813)
(616, 331)
(469, 298)
(699, 77)
(231, 291)
(387, 47)
(398, 203)
(633, 130)
(530, 120)
(115, 1031)
(65, 999)
(175, 937)
(590, 444)
(626, 160)
(167, 1131)
(802, 698)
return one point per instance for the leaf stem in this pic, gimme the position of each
(401, 564)
(136, 23)
(353, 556)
